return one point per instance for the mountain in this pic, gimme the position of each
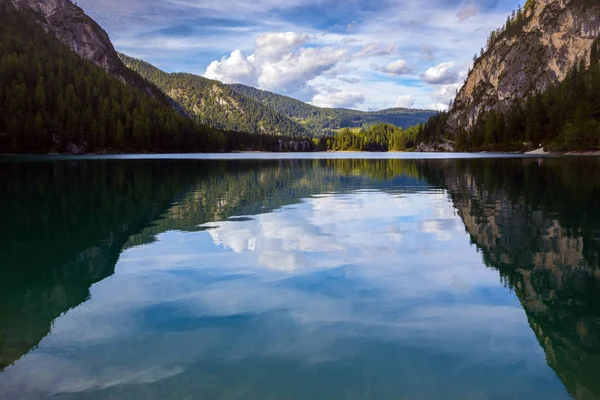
(321, 121)
(69, 23)
(54, 100)
(536, 48)
(535, 83)
(215, 104)
(244, 108)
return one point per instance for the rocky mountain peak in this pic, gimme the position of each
(73, 27)
(538, 47)
(69, 23)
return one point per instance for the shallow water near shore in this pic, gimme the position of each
(254, 276)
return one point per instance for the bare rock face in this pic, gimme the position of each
(554, 36)
(70, 24)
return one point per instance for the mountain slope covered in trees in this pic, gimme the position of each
(52, 100)
(246, 109)
(537, 47)
(69, 23)
(215, 104)
(536, 83)
(323, 121)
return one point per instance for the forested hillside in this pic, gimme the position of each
(215, 104)
(565, 117)
(560, 112)
(325, 121)
(66, 21)
(51, 100)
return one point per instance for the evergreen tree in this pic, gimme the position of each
(51, 99)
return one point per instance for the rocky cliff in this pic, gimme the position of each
(537, 48)
(84, 36)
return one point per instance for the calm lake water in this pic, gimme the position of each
(300, 278)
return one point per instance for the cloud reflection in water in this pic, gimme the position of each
(339, 282)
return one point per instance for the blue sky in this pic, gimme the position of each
(355, 53)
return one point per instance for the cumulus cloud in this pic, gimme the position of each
(237, 68)
(295, 70)
(275, 45)
(441, 74)
(395, 68)
(339, 99)
(405, 101)
(467, 11)
(279, 63)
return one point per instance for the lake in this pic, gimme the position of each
(300, 277)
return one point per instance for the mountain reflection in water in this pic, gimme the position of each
(300, 278)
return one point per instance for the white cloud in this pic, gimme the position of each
(339, 99)
(237, 68)
(275, 45)
(405, 101)
(279, 63)
(395, 68)
(441, 74)
(295, 70)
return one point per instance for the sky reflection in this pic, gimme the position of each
(367, 284)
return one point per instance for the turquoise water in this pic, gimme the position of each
(339, 278)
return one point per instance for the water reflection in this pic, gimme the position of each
(295, 279)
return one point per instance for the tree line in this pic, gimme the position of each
(380, 137)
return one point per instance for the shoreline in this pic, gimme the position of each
(538, 152)
(542, 152)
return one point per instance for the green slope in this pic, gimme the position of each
(215, 104)
(51, 100)
(320, 121)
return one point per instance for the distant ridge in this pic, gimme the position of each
(246, 109)
(321, 121)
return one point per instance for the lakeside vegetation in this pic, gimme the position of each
(381, 137)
